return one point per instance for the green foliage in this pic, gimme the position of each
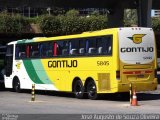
(96, 22)
(95, 13)
(130, 17)
(69, 23)
(72, 13)
(12, 24)
(49, 24)
(32, 20)
(156, 24)
(72, 23)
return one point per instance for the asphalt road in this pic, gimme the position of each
(49, 103)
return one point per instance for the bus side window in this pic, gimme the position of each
(82, 46)
(65, 48)
(44, 48)
(74, 47)
(92, 46)
(87, 46)
(17, 52)
(21, 51)
(55, 48)
(35, 50)
(100, 46)
(22, 54)
(62, 48)
(60, 45)
(41, 49)
(100, 50)
(109, 45)
(74, 51)
(49, 49)
(106, 44)
(27, 51)
(81, 50)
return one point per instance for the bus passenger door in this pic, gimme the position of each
(9, 60)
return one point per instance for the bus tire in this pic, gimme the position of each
(16, 85)
(78, 89)
(92, 90)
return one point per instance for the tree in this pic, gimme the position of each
(130, 17)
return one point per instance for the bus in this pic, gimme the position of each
(90, 63)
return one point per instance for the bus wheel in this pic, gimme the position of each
(92, 90)
(16, 85)
(78, 89)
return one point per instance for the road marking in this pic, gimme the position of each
(36, 101)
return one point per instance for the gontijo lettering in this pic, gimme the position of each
(137, 49)
(62, 63)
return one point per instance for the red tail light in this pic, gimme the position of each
(118, 75)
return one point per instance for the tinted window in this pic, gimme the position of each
(46, 49)
(20, 51)
(74, 47)
(34, 51)
(104, 45)
(91, 45)
(101, 45)
(62, 47)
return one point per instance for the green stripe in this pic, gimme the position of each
(40, 71)
(25, 41)
(31, 72)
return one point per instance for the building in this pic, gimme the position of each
(156, 13)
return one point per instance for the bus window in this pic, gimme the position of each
(91, 45)
(55, 49)
(49, 49)
(100, 46)
(74, 47)
(17, 52)
(65, 48)
(59, 47)
(62, 48)
(82, 46)
(104, 45)
(41, 47)
(108, 44)
(45, 49)
(20, 52)
(28, 51)
(87, 46)
(35, 50)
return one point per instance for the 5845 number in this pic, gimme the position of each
(102, 63)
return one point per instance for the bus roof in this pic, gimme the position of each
(82, 35)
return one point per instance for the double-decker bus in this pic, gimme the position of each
(104, 61)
